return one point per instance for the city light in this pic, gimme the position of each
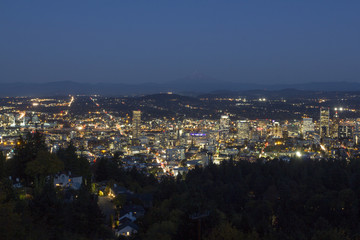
(180, 120)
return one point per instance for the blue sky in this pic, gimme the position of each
(161, 41)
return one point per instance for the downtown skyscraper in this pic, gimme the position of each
(324, 122)
(136, 124)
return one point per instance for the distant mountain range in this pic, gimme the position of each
(184, 86)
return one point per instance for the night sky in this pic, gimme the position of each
(160, 41)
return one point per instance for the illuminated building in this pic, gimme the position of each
(345, 132)
(12, 120)
(356, 133)
(175, 154)
(136, 124)
(276, 131)
(307, 126)
(243, 127)
(224, 126)
(224, 123)
(35, 119)
(335, 126)
(324, 122)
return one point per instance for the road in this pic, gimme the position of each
(106, 206)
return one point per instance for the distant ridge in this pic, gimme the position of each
(181, 86)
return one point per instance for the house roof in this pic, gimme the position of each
(125, 220)
(128, 224)
(131, 208)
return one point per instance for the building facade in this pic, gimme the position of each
(324, 122)
(136, 124)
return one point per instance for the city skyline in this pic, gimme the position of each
(180, 120)
(124, 152)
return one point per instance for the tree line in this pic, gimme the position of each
(290, 200)
(262, 200)
(38, 210)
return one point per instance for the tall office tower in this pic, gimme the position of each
(12, 120)
(243, 129)
(224, 127)
(345, 131)
(335, 126)
(324, 122)
(276, 131)
(357, 125)
(307, 126)
(357, 131)
(136, 124)
(224, 123)
(262, 126)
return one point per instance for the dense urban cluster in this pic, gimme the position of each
(168, 143)
(162, 164)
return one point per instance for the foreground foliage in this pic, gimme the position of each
(38, 210)
(263, 200)
(236, 200)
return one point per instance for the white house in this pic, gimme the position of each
(61, 180)
(126, 229)
(64, 180)
(128, 215)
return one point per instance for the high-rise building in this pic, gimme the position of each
(12, 120)
(224, 126)
(308, 125)
(243, 127)
(224, 123)
(276, 130)
(357, 131)
(345, 132)
(334, 129)
(324, 122)
(136, 124)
